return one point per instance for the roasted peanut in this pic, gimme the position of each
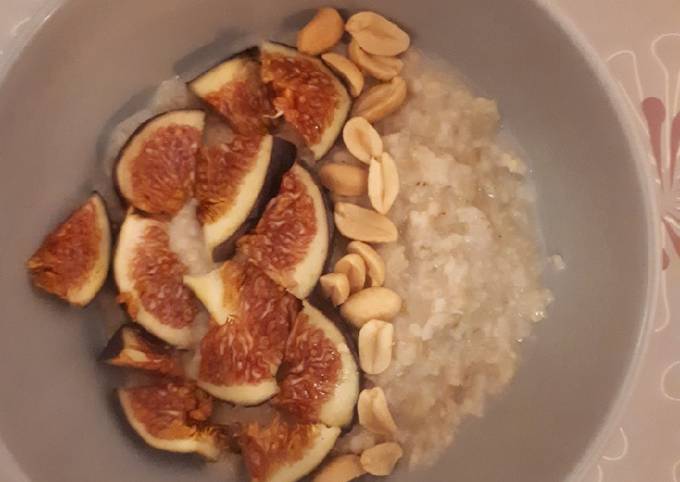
(361, 224)
(375, 346)
(321, 33)
(377, 66)
(336, 287)
(362, 140)
(381, 100)
(371, 304)
(374, 414)
(381, 459)
(377, 35)
(344, 179)
(341, 469)
(354, 267)
(383, 183)
(375, 265)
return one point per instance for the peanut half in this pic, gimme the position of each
(336, 287)
(361, 224)
(354, 268)
(344, 179)
(383, 183)
(375, 265)
(375, 346)
(377, 303)
(374, 414)
(321, 33)
(346, 69)
(362, 140)
(381, 459)
(341, 469)
(377, 35)
(377, 66)
(381, 100)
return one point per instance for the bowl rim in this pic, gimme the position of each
(654, 240)
(9, 467)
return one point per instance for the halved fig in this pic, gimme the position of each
(291, 240)
(313, 100)
(235, 90)
(73, 260)
(240, 355)
(319, 379)
(155, 168)
(285, 451)
(132, 347)
(171, 416)
(149, 278)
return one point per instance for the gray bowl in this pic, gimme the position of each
(92, 62)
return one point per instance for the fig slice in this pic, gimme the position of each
(155, 168)
(291, 241)
(235, 181)
(132, 347)
(313, 100)
(171, 416)
(240, 355)
(319, 379)
(235, 90)
(230, 178)
(73, 260)
(285, 451)
(149, 278)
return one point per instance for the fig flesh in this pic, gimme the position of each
(319, 379)
(171, 416)
(285, 451)
(240, 355)
(149, 278)
(283, 158)
(291, 240)
(313, 100)
(73, 260)
(155, 168)
(132, 347)
(235, 90)
(235, 179)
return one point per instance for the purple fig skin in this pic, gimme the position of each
(249, 53)
(283, 158)
(117, 344)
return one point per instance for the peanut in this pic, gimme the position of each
(344, 179)
(377, 303)
(321, 33)
(375, 346)
(361, 224)
(381, 100)
(375, 265)
(354, 268)
(377, 35)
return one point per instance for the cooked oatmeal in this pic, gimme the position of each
(467, 263)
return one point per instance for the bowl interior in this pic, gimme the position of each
(93, 62)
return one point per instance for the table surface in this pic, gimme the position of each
(640, 42)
